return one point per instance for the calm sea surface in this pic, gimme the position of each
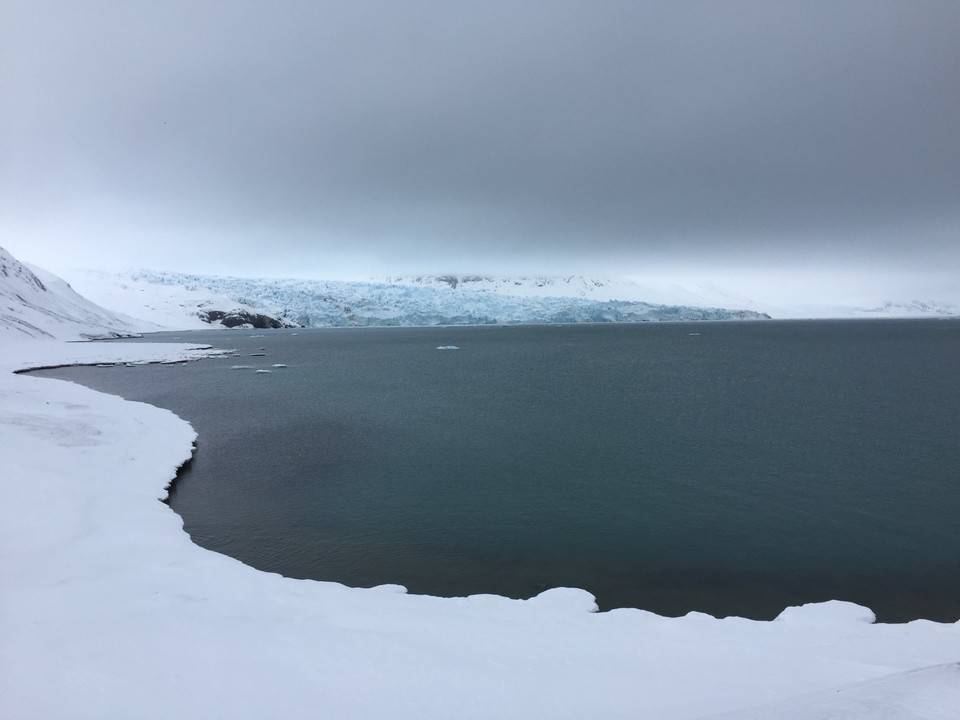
(730, 468)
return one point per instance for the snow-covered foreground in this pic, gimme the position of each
(107, 610)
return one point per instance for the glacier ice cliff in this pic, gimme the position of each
(321, 303)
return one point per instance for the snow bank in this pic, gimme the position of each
(932, 693)
(107, 610)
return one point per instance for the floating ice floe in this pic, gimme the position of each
(241, 367)
(280, 365)
(257, 354)
(264, 371)
(447, 347)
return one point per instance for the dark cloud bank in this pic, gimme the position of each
(299, 137)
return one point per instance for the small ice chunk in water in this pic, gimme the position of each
(241, 367)
(447, 347)
(278, 365)
(264, 371)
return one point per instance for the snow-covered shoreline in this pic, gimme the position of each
(108, 609)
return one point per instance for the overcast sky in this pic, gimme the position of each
(333, 139)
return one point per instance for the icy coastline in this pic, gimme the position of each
(109, 610)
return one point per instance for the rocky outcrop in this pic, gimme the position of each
(245, 319)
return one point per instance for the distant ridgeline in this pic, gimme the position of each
(319, 303)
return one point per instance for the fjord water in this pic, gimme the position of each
(728, 468)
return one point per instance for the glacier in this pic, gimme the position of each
(192, 301)
(337, 303)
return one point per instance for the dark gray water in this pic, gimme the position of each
(730, 468)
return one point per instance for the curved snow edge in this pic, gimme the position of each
(107, 611)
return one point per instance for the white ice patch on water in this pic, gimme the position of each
(447, 347)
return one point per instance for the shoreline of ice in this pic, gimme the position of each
(109, 610)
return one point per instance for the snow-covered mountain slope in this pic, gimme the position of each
(318, 303)
(35, 303)
(578, 286)
(172, 306)
(889, 309)
(602, 289)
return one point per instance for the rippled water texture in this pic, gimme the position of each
(730, 468)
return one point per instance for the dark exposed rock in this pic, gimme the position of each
(241, 318)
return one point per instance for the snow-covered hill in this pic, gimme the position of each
(434, 301)
(35, 303)
(570, 286)
(654, 291)
(888, 308)
(168, 305)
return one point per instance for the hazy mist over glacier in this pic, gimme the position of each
(796, 150)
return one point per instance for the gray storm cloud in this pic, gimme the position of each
(483, 135)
